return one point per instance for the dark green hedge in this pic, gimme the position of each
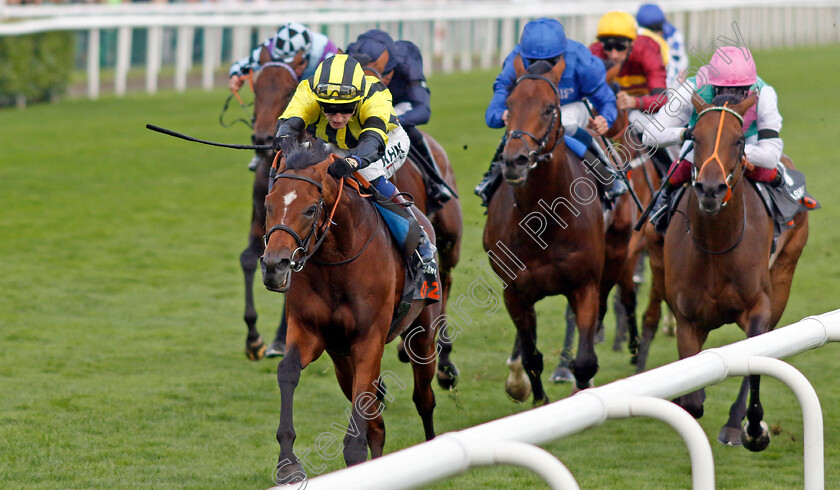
(35, 67)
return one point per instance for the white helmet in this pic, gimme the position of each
(290, 39)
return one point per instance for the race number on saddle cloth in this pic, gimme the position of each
(353, 114)
(731, 71)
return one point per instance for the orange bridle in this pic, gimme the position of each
(716, 157)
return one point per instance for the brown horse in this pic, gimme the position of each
(448, 224)
(275, 83)
(550, 217)
(347, 285)
(718, 263)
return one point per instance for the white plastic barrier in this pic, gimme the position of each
(511, 440)
(451, 34)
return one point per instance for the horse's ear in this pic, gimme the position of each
(379, 64)
(518, 66)
(743, 106)
(265, 55)
(339, 51)
(699, 104)
(299, 63)
(558, 69)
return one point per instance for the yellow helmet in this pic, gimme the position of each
(616, 23)
(339, 79)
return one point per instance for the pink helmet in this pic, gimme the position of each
(731, 67)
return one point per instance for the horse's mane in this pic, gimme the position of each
(721, 99)
(302, 154)
(539, 67)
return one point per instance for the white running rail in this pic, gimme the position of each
(512, 440)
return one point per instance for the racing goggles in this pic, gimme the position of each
(336, 91)
(338, 108)
(615, 45)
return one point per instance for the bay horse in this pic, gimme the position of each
(347, 283)
(573, 253)
(719, 267)
(447, 221)
(273, 88)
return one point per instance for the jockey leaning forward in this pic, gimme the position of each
(544, 39)
(354, 115)
(403, 75)
(290, 39)
(730, 71)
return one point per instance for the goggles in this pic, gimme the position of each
(338, 108)
(740, 92)
(336, 91)
(614, 45)
(551, 61)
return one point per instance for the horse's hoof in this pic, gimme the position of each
(577, 388)
(447, 376)
(402, 355)
(562, 374)
(287, 473)
(634, 360)
(255, 350)
(276, 349)
(730, 436)
(517, 385)
(541, 402)
(756, 444)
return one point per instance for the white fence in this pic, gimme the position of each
(512, 440)
(453, 35)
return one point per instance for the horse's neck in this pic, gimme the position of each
(353, 224)
(549, 180)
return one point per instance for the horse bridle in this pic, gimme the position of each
(303, 243)
(714, 156)
(539, 155)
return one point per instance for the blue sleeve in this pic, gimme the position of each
(501, 89)
(594, 86)
(411, 61)
(419, 96)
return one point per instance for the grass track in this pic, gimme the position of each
(121, 337)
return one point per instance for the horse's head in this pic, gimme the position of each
(296, 211)
(273, 88)
(718, 149)
(533, 118)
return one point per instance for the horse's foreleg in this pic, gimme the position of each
(563, 372)
(756, 436)
(254, 345)
(585, 302)
(421, 343)
(525, 318)
(730, 434)
(289, 469)
(690, 340)
(447, 371)
(365, 424)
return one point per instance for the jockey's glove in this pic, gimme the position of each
(688, 134)
(343, 167)
(287, 128)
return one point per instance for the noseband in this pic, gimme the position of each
(299, 255)
(539, 155)
(727, 178)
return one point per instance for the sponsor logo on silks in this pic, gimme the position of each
(431, 292)
(799, 192)
(566, 92)
(392, 154)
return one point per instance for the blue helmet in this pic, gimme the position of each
(369, 48)
(650, 15)
(543, 38)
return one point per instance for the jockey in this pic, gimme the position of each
(731, 70)
(286, 43)
(651, 17)
(353, 114)
(641, 77)
(403, 75)
(544, 39)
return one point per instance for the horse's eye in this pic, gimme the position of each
(269, 209)
(310, 212)
(548, 109)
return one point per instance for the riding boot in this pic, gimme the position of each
(658, 216)
(611, 183)
(426, 250)
(432, 177)
(492, 178)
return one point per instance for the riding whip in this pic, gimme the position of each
(211, 143)
(655, 196)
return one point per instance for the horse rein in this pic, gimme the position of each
(539, 155)
(727, 178)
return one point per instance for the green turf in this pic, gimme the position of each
(121, 339)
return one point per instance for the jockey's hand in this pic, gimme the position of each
(599, 125)
(505, 117)
(625, 101)
(343, 167)
(235, 83)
